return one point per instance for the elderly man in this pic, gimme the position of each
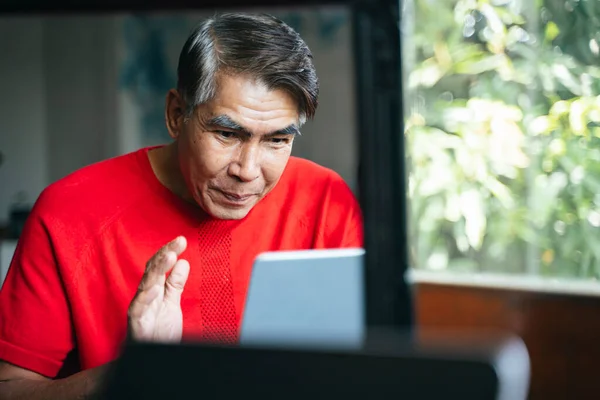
(108, 251)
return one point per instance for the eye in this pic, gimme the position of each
(280, 140)
(225, 134)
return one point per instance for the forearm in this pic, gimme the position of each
(81, 386)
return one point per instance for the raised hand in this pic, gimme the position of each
(155, 312)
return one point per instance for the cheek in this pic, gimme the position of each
(204, 159)
(274, 164)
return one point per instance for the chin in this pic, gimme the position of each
(226, 213)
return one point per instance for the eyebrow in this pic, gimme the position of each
(224, 121)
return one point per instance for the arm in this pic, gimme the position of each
(154, 315)
(36, 332)
(19, 384)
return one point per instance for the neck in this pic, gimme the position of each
(165, 164)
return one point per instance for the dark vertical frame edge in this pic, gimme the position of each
(382, 171)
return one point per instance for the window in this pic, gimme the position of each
(503, 135)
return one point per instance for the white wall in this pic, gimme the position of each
(80, 71)
(23, 135)
(58, 77)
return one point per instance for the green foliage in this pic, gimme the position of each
(503, 134)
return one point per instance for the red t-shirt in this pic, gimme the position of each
(84, 248)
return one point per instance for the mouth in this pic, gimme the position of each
(237, 199)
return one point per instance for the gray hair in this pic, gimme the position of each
(260, 46)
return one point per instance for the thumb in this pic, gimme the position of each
(176, 281)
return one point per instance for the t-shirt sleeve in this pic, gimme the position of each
(35, 323)
(354, 229)
(343, 218)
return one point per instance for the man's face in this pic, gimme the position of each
(233, 149)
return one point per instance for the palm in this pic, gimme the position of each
(155, 313)
(163, 322)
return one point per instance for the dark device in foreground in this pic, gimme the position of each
(390, 368)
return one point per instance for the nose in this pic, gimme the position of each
(246, 166)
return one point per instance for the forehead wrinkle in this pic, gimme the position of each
(267, 114)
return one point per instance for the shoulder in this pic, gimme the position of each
(323, 200)
(310, 183)
(90, 189)
(306, 172)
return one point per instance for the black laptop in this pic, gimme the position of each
(387, 367)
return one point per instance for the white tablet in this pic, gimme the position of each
(306, 299)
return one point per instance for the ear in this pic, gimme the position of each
(174, 113)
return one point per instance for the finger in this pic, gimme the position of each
(176, 281)
(176, 245)
(156, 270)
(162, 262)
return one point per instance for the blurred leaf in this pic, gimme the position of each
(552, 31)
(427, 75)
(577, 117)
(475, 220)
(566, 78)
(482, 64)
